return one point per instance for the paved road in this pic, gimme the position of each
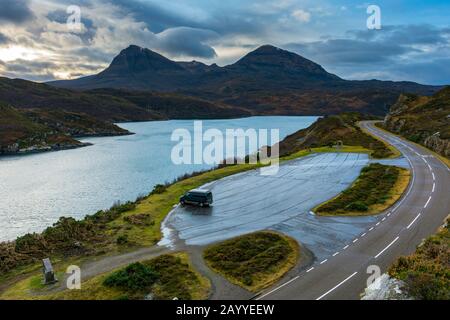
(416, 216)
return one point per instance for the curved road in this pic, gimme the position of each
(416, 216)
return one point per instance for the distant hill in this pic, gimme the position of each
(423, 119)
(266, 81)
(112, 104)
(31, 130)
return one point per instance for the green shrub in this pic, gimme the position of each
(357, 206)
(373, 186)
(135, 277)
(158, 189)
(247, 257)
(426, 273)
(165, 277)
(122, 239)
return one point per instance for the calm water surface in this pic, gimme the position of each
(35, 190)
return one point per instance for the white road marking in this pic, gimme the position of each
(417, 217)
(363, 234)
(335, 254)
(310, 269)
(378, 223)
(371, 228)
(338, 285)
(278, 288)
(389, 214)
(428, 201)
(355, 240)
(383, 219)
(324, 261)
(345, 247)
(390, 244)
(434, 185)
(434, 178)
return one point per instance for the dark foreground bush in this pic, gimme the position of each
(426, 273)
(164, 277)
(250, 259)
(135, 277)
(372, 187)
(67, 237)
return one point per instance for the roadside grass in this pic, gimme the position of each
(377, 188)
(395, 153)
(426, 272)
(253, 261)
(173, 276)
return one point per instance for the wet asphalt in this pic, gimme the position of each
(249, 202)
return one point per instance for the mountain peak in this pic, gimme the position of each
(272, 59)
(136, 59)
(267, 48)
(132, 48)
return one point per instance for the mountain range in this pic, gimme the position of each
(268, 80)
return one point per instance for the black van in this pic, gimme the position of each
(197, 197)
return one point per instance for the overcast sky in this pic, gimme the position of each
(413, 43)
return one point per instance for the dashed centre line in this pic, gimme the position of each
(338, 285)
(414, 220)
(387, 247)
(428, 201)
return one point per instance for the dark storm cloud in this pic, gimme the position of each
(157, 18)
(4, 39)
(92, 55)
(25, 66)
(186, 41)
(373, 46)
(345, 51)
(404, 35)
(412, 52)
(15, 11)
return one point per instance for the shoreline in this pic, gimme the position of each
(53, 148)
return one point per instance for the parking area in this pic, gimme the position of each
(249, 202)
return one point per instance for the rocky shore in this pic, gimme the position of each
(31, 131)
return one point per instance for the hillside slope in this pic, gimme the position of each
(112, 105)
(334, 130)
(425, 120)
